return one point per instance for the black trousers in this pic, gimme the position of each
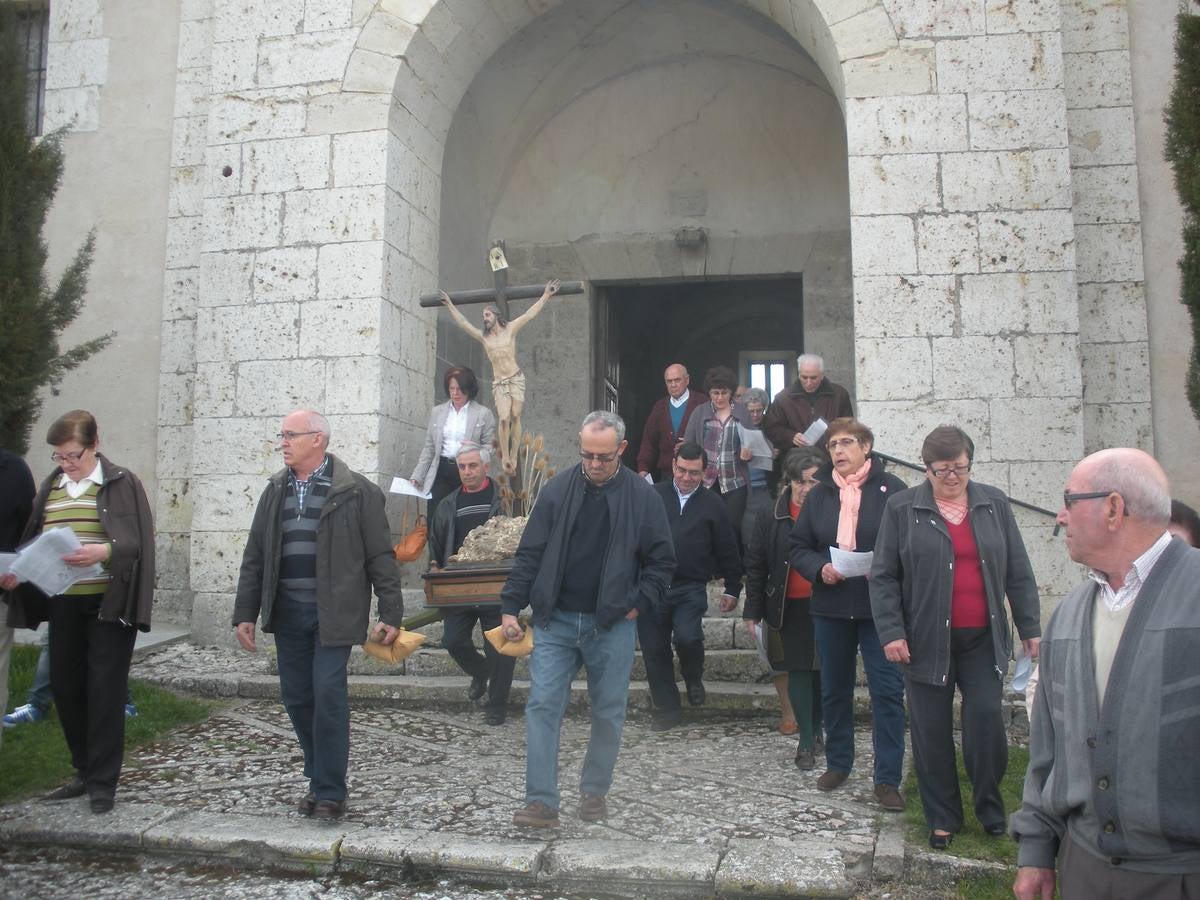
(985, 745)
(444, 483)
(457, 626)
(89, 674)
(679, 615)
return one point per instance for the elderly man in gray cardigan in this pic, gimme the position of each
(1113, 787)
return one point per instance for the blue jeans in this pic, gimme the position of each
(312, 685)
(839, 640)
(569, 640)
(680, 612)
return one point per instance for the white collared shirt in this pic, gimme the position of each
(1134, 579)
(76, 489)
(683, 498)
(454, 432)
(683, 399)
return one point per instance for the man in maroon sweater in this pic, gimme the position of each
(666, 422)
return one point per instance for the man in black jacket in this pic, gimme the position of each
(318, 544)
(595, 554)
(705, 544)
(16, 505)
(462, 510)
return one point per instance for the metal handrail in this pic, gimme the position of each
(1013, 500)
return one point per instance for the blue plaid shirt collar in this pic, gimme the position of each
(319, 476)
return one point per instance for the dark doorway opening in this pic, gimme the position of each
(641, 329)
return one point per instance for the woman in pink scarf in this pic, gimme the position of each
(844, 511)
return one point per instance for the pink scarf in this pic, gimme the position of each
(850, 493)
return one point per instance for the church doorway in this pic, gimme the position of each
(752, 325)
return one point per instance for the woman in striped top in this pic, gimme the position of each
(95, 621)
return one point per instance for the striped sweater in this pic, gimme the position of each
(81, 516)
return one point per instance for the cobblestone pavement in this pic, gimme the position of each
(711, 799)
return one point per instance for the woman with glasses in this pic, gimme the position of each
(714, 427)
(93, 622)
(451, 423)
(777, 597)
(948, 553)
(842, 512)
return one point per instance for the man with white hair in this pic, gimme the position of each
(318, 544)
(1113, 786)
(810, 397)
(462, 510)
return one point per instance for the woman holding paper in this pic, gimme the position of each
(842, 514)
(714, 427)
(777, 598)
(93, 623)
(459, 419)
(948, 553)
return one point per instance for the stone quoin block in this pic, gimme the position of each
(928, 123)
(72, 64)
(902, 71)
(1006, 16)
(1039, 179)
(1105, 195)
(1004, 62)
(1036, 428)
(1102, 137)
(883, 245)
(1036, 302)
(1109, 252)
(248, 220)
(893, 368)
(334, 215)
(947, 244)
(254, 115)
(277, 386)
(1097, 79)
(1047, 365)
(305, 58)
(286, 165)
(1010, 120)
(225, 277)
(1026, 241)
(351, 270)
(284, 274)
(1112, 311)
(903, 306)
(238, 333)
(884, 185)
(975, 366)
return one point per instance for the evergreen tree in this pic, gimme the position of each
(32, 314)
(1183, 152)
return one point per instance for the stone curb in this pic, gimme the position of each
(777, 867)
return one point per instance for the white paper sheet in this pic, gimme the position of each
(404, 486)
(813, 433)
(6, 560)
(851, 564)
(40, 561)
(760, 643)
(759, 446)
(649, 478)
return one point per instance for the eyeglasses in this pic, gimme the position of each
(947, 471)
(1069, 498)
(61, 458)
(292, 435)
(842, 442)
(598, 457)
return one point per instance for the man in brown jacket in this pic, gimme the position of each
(810, 397)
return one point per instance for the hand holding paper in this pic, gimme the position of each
(851, 564)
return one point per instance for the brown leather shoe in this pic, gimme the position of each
(306, 804)
(831, 779)
(592, 808)
(536, 815)
(888, 796)
(329, 810)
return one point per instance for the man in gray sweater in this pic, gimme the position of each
(1113, 787)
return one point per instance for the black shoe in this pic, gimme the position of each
(995, 831)
(306, 804)
(695, 693)
(73, 788)
(101, 804)
(478, 687)
(664, 722)
(494, 717)
(329, 809)
(940, 841)
(806, 760)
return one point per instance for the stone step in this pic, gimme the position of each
(720, 633)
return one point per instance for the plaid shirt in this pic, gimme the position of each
(301, 488)
(723, 445)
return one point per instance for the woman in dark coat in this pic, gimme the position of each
(94, 621)
(778, 598)
(948, 553)
(844, 511)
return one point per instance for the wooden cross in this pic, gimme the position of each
(500, 293)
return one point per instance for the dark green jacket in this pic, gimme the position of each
(354, 553)
(912, 577)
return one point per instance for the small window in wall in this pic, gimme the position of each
(33, 37)
(767, 369)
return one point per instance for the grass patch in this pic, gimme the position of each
(992, 886)
(34, 757)
(971, 842)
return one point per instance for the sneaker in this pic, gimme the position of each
(130, 711)
(888, 796)
(831, 779)
(592, 808)
(23, 714)
(536, 815)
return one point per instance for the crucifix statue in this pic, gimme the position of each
(498, 337)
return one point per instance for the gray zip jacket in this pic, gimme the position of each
(1123, 778)
(912, 577)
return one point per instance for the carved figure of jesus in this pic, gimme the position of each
(499, 340)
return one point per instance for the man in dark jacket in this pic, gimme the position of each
(810, 397)
(705, 544)
(595, 554)
(463, 509)
(318, 544)
(16, 505)
(666, 422)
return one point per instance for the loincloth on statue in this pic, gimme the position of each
(512, 387)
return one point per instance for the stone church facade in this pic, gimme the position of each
(971, 193)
